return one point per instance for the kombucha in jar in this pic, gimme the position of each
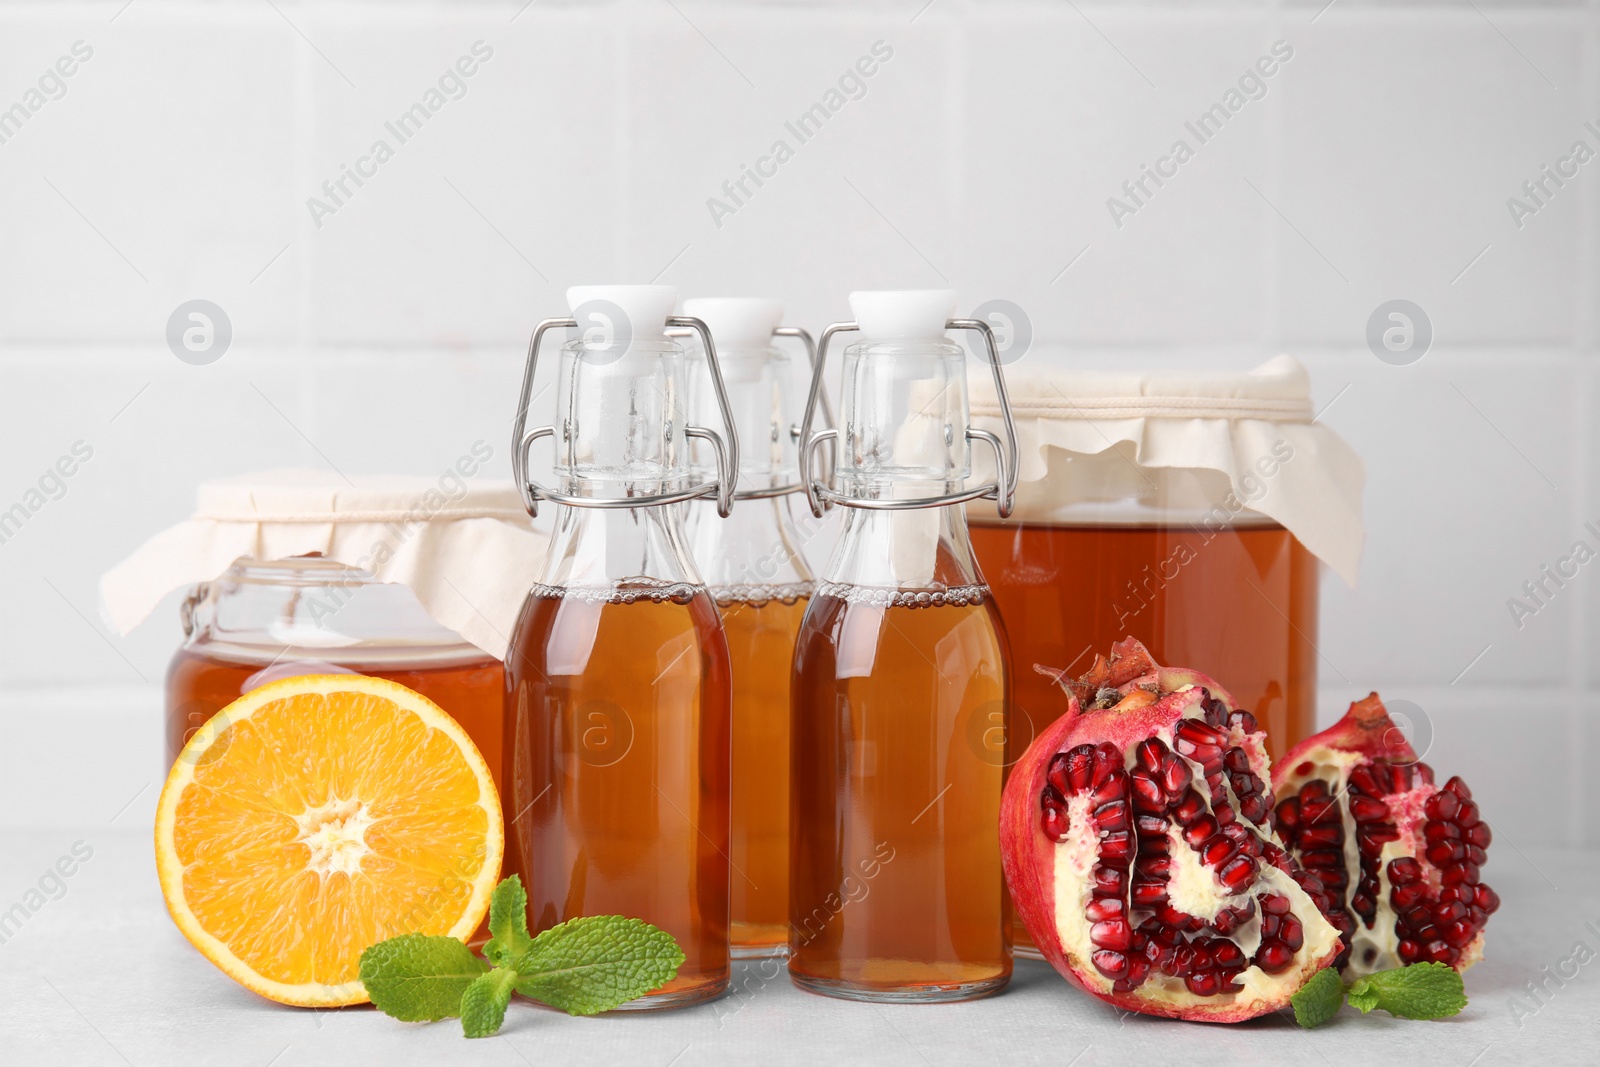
(263, 620)
(617, 714)
(900, 692)
(758, 575)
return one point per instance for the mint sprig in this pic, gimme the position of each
(1420, 991)
(583, 966)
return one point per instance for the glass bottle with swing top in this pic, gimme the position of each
(617, 681)
(901, 680)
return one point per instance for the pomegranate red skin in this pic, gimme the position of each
(1028, 856)
(1366, 729)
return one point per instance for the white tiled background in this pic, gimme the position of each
(1378, 165)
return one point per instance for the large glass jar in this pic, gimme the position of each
(263, 620)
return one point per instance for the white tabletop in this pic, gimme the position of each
(99, 975)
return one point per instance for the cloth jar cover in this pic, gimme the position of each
(1239, 426)
(466, 548)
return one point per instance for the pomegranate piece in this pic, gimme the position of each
(1410, 889)
(1137, 841)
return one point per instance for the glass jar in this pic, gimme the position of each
(264, 620)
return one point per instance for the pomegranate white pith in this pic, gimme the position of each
(1397, 856)
(1137, 843)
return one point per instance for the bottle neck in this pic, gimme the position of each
(921, 550)
(618, 549)
(758, 551)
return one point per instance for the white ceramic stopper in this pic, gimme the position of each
(736, 321)
(641, 309)
(903, 314)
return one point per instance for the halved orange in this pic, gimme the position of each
(319, 815)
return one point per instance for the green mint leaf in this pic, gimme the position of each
(418, 977)
(1363, 996)
(1319, 999)
(483, 1005)
(508, 923)
(593, 964)
(1420, 991)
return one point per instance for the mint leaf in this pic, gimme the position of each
(483, 1005)
(592, 964)
(418, 977)
(1319, 999)
(508, 922)
(1420, 991)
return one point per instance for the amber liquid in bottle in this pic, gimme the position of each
(761, 640)
(1239, 604)
(617, 730)
(897, 889)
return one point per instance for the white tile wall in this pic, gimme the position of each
(981, 153)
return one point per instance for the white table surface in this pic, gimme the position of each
(101, 976)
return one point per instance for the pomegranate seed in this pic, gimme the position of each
(1189, 808)
(1445, 853)
(1147, 794)
(1108, 790)
(1244, 721)
(1150, 753)
(1113, 933)
(1112, 817)
(1255, 808)
(1107, 760)
(1116, 847)
(1205, 984)
(1476, 856)
(1468, 816)
(1273, 956)
(1443, 804)
(1444, 914)
(1054, 821)
(1057, 774)
(1270, 925)
(1289, 815)
(1175, 775)
(1153, 866)
(1217, 851)
(1113, 965)
(1109, 881)
(1477, 916)
(1238, 873)
(1479, 834)
(1080, 767)
(1488, 899)
(1323, 859)
(1228, 956)
(1404, 896)
(1292, 934)
(1200, 830)
(1223, 812)
(1147, 892)
(1438, 952)
(1367, 809)
(1363, 780)
(1364, 905)
(1409, 951)
(1275, 904)
(1458, 787)
(1459, 933)
(1236, 761)
(1405, 871)
(1101, 908)
(1424, 772)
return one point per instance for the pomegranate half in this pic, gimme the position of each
(1397, 856)
(1136, 838)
